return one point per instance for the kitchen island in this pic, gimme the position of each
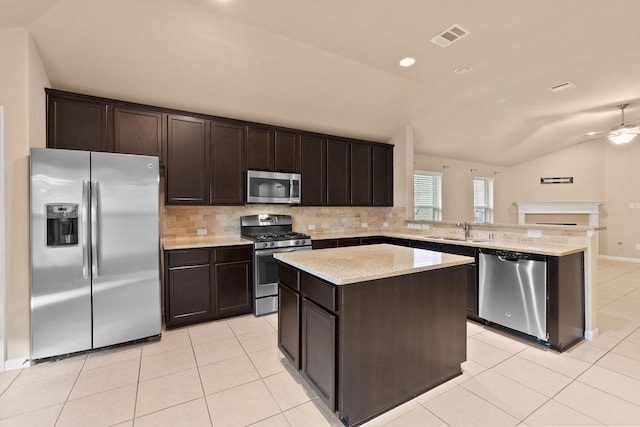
(371, 327)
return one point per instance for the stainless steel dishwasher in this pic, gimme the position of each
(513, 290)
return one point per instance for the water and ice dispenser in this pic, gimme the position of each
(62, 224)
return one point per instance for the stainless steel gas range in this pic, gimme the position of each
(271, 234)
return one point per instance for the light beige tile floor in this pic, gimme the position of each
(231, 373)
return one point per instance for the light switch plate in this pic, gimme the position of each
(364, 225)
(202, 231)
(385, 225)
(312, 227)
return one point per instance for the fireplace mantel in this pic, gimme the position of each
(592, 209)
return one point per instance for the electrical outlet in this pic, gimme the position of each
(632, 205)
(202, 231)
(364, 225)
(534, 233)
(385, 225)
(312, 227)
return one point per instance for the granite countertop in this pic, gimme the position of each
(342, 266)
(207, 241)
(528, 247)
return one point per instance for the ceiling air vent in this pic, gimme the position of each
(453, 34)
(562, 87)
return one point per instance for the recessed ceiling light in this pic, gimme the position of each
(407, 62)
(464, 69)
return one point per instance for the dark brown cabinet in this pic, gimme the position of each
(382, 175)
(138, 132)
(338, 173)
(289, 313)
(272, 150)
(319, 350)
(361, 177)
(227, 163)
(313, 170)
(260, 148)
(233, 274)
(207, 284)
(187, 175)
(188, 297)
(287, 151)
(76, 123)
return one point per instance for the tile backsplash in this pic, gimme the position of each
(225, 220)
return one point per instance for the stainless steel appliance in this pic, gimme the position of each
(271, 234)
(94, 250)
(273, 187)
(513, 291)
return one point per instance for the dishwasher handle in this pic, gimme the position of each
(507, 258)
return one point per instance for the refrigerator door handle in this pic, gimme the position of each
(94, 229)
(85, 228)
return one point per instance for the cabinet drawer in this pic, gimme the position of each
(188, 257)
(234, 253)
(318, 291)
(289, 276)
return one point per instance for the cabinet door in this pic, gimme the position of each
(227, 163)
(355, 241)
(313, 163)
(260, 149)
(324, 243)
(338, 173)
(289, 324)
(233, 288)
(382, 175)
(319, 350)
(76, 124)
(187, 174)
(287, 145)
(138, 132)
(188, 295)
(361, 174)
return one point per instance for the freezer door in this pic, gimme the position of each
(60, 280)
(125, 248)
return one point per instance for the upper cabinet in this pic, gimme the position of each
(76, 123)
(338, 172)
(187, 175)
(313, 170)
(272, 150)
(138, 131)
(361, 184)
(80, 122)
(382, 174)
(227, 163)
(205, 158)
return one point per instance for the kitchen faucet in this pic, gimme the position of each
(465, 227)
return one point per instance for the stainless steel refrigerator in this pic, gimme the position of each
(95, 277)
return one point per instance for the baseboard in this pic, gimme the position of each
(21, 362)
(591, 334)
(619, 258)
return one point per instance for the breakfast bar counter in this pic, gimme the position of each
(372, 327)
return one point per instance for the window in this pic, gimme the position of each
(482, 199)
(427, 199)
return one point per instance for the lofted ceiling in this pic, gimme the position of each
(332, 65)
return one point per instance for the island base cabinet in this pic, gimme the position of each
(289, 324)
(319, 350)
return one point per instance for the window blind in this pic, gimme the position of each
(482, 199)
(427, 197)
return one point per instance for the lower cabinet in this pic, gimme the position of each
(207, 283)
(319, 350)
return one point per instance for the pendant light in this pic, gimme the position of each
(623, 133)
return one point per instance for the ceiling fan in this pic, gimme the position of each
(624, 133)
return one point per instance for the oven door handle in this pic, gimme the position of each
(261, 252)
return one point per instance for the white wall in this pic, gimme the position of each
(457, 185)
(622, 187)
(22, 94)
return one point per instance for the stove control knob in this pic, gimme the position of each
(273, 244)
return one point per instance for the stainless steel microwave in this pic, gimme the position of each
(273, 187)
